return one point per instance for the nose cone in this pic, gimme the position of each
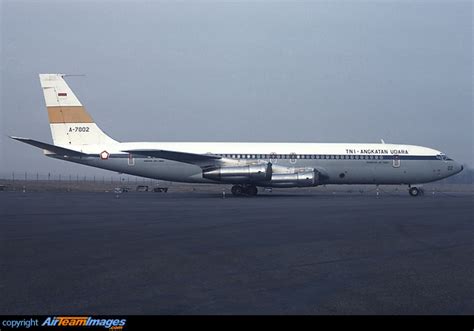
(458, 167)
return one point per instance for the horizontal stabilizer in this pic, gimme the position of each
(175, 156)
(52, 148)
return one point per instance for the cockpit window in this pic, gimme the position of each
(442, 156)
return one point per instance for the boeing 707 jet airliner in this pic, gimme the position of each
(246, 166)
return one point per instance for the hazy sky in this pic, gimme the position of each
(337, 71)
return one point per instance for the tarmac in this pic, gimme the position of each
(199, 253)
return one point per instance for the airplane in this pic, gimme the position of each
(245, 166)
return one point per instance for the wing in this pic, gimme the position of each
(198, 159)
(51, 148)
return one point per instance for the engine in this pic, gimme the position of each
(265, 175)
(298, 179)
(249, 173)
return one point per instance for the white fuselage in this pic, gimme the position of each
(338, 163)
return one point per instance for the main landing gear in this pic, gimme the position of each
(247, 190)
(415, 191)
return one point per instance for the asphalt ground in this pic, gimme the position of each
(199, 253)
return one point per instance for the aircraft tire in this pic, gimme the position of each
(237, 190)
(414, 191)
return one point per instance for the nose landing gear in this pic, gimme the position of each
(248, 190)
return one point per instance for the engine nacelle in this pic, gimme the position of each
(249, 173)
(299, 179)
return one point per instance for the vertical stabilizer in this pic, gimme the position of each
(70, 123)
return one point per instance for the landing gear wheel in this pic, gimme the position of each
(237, 190)
(414, 191)
(251, 191)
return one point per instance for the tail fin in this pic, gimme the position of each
(69, 121)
